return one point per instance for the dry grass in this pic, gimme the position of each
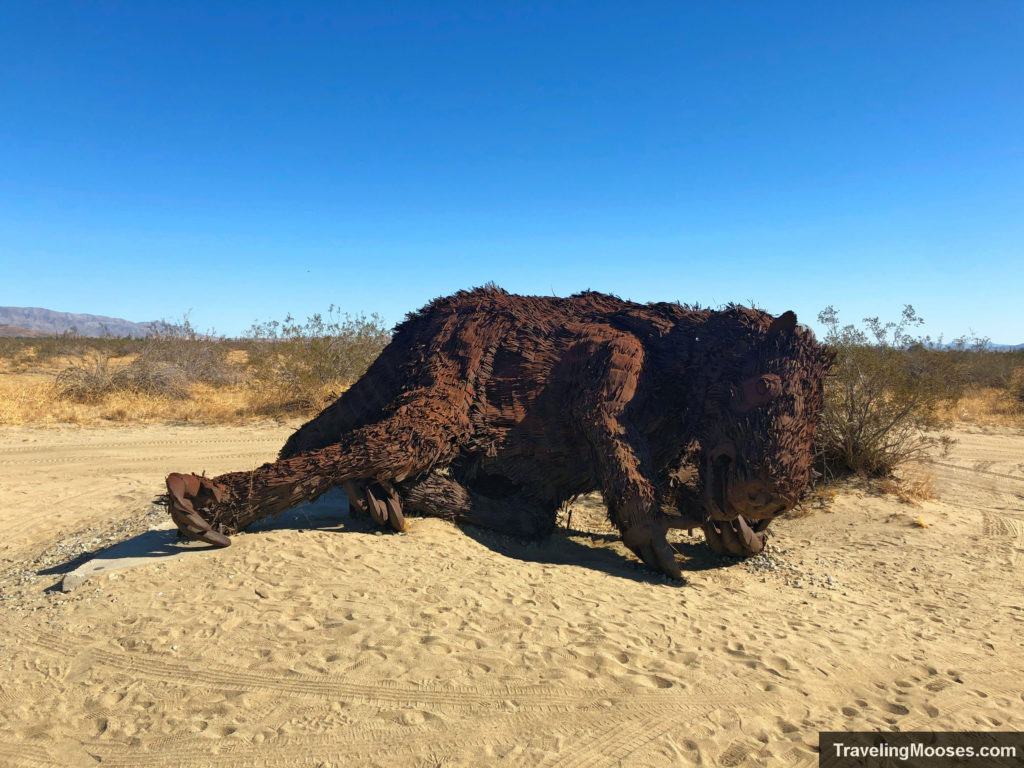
(988, 406)
(35, 398)
(28, 360)
(911, 487)
(168, 378)
(272, 399)
(31, 399)
(290, 369)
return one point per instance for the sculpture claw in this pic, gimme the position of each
(648, 542)
(356, 502)
(375, 505)
(735, 537)
(181, 490)
(379, 500)
(393, 504)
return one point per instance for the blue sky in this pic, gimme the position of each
(245, 160)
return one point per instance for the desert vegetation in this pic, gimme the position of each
(300, 367)
(277, 370)
(892, 394)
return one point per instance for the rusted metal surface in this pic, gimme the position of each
(494, 409)
(182, 491)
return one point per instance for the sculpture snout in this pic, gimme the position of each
(729, 493)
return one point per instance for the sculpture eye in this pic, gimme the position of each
(757, 391)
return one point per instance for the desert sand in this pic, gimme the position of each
(327, 643)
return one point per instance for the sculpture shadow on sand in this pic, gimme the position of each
(576, 546)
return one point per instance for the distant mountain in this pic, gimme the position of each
(50, 323)
(1007, 347)
(16, 331)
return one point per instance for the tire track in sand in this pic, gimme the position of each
(1001, 503)
(382, 692)
(92, 467)
(24, 755)
(462, 739)
(1009, 531)
(978, 471)
(613, 742)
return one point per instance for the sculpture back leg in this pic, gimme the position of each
(436, 495)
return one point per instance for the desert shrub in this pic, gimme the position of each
(87, 380)
(96, 376)
(42, 349)
(200, 357)
(885, 397)
(303, 366)
(1015, 389)
(980, 365)
(67, 344)
(165, 364)
(12, 347)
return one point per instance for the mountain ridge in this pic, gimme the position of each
(51, 321)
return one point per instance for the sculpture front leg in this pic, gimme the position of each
(620, 451)
(211, 509)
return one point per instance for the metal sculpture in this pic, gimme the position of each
(495, 409)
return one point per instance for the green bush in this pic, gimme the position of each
(299, 366)
(884, 396)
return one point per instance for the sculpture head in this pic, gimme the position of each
(762, 405)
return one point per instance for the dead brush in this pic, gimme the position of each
(87, 380)
(910, 489)
(96, 376)
(1015, 391)
(167, 363)
(200, 357)
(989, 406)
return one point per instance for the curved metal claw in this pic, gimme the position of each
(181, 490)
(356, 502)
(735, 537)
(393, 505)
(375, 505)
(378, 500)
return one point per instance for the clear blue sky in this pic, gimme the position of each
(244, 160)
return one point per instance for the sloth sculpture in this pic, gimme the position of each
(495, 409)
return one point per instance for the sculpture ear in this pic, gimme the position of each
(784, 323)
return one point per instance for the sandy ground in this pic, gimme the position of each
(335, 645)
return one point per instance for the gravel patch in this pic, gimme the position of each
(33, 584)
